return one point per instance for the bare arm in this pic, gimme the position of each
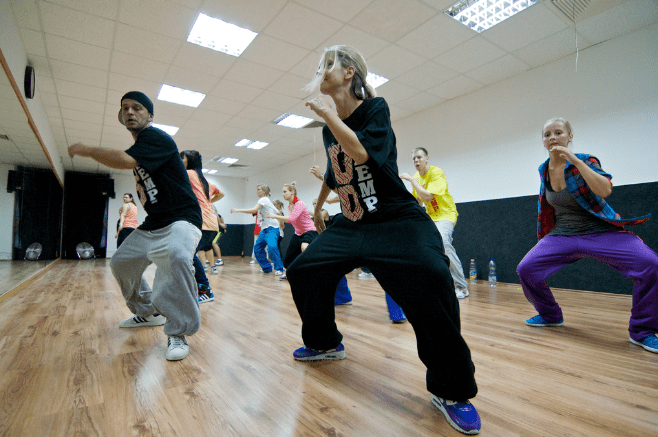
(251, 211)
(420, 190)
(344, 135)
(281, 218)
(317, 215)
(108, 157)
(217, 196)
(334, 199)
(122, 218)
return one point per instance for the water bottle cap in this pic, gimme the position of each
(491, 259)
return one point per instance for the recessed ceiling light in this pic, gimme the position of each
(219, 35)
(180, 96)
(204, 170)
(213, 171)
(257, 145)
(171, 130)
(243, 142)
(375, 80)
(229, 160)
(481, 15)
(292, 120)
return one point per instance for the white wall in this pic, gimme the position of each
(6, 213)
(489, 142)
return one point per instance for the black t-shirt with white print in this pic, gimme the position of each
(163, 186)
(373, 191)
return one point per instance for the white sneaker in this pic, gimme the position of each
(253, 261)
(366, 275)
(219, 262)
(177, 348)
(205, 268)
(207, 262)
(137, 321)
(278, 272)
(214, 270)
(461, 293)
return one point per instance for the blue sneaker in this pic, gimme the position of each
(649, 343)
(461, 415)
(540, 321)
(307, 354)
(205, 294)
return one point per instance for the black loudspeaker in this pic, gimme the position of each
(106, 187)
(14, 181)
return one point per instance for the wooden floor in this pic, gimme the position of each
(66, 368)
(13, 273)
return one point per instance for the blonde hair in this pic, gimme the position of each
(348, 57)
(561, 120)
(264, 188)
(292, 186)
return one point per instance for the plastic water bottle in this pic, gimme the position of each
(472, 272)
(492, 273)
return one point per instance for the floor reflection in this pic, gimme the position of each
(15, 272)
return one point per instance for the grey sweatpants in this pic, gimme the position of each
(174, 293)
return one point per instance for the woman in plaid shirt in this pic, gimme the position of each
(575, 222)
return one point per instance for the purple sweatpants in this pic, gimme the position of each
(621, 250)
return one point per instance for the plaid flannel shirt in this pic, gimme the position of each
(579, 189)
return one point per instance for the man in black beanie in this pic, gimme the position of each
(169, 235)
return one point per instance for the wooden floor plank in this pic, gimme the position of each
(67, 369)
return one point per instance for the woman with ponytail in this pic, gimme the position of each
(127, 218)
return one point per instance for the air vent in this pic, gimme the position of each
(237, 166)
(576, 11)
(4, 137)
(314, 123)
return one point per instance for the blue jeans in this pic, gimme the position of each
(268, 237)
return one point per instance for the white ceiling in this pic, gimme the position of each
(88, 53)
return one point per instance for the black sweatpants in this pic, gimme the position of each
(407, 258)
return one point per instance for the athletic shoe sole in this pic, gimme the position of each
(643, 346)
(130, 323)
(545, 325)
(327, 356)
(437, 403)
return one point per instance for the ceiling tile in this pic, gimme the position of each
(250, 14)
(26, 13)
(33, 42)
(427, 75)
(394, 91)
(342, 10)
(440, 5)
(79, 74)
(81, 120)
(436, 36)
(41, 66)
(365, 43)
(248, 124)
(66, 102)
(257, 113)
(501, 68)
(291, 85)
(228, 89)
(139, 67)
(551, 48)
(76, 52)
(398, 113)
(216, 119)
(120, 84)
(394, 61)
(308, 66)
(275, 101)
(473, 53)
(80, 91)
(133, 40)
(49, 99)
(625, 18)
(392, 19)
(526, 27)
(45, 84)
(203, 60)
(420, 102)
(105, 8)
(190, 80)
(456, 87)
(158, 16)
(274, 53)
(200, 126)
(311, 28)
(76, 25)
(250, 73)
(225, 106)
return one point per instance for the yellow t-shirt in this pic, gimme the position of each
(441, 207)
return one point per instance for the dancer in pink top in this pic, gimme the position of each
(305, 233)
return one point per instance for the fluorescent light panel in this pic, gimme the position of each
(257, 145)
(219, 35)
(243, 142)
(292, 120)
(229, 160)
(213, 171)
(375, 80)
(171, 130)
(481, 15)
(180, 96)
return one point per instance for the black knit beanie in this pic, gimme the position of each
(141, 98)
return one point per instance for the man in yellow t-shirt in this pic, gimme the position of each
(430, 188)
